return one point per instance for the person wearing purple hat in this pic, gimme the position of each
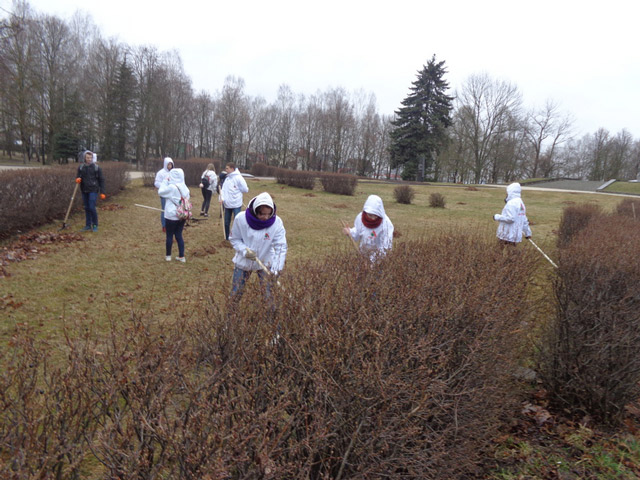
(259, 238)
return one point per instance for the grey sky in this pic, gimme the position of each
(580, 54)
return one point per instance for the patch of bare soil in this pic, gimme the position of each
(31, 245)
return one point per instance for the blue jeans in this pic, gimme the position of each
(175, 227)
(90, 213)
(227, 219)
(163, 202)
(240, 277)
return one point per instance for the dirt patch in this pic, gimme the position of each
(340, 205)
(111, 207)
(204, 251)
(32, 245)
(309, 195)
(471, 189)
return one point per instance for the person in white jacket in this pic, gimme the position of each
(257, 233)
(172, 189)
(231, 195)
(513, 222)
(161, 175)
(208, 185)
(372, 229)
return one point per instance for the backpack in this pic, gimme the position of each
(183, 209)
(205, 181)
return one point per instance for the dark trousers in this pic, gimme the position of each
(174, 228)
(89, 200)
(206, 195)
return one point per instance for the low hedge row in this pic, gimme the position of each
(339, 183)
(589, 357)
(402, 370)
(35, 196)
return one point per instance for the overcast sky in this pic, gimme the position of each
(581, 54)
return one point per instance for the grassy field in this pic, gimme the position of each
(624, 187)
(122, 268)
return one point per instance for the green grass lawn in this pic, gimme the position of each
(624, 187)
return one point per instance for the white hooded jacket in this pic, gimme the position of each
(173, 188)
(513, 219)
(213, 179)
(163, 173)
(232, 189)
(270, 244)
(373, 241)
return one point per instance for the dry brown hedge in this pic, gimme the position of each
(574, 219)
(396, 370)
(295, 178)
(589, 359)
(35, 196)
(339, 183)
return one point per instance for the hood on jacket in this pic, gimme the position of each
(374, 206)
(263, 199)
(176, 175)
(514, 191)
(84, 154)
(167, 161)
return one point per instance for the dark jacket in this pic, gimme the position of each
(92, 179)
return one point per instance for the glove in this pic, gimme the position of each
(102, 196)
(249, 254)
(78, 180)
(495, 217)
(528, 238)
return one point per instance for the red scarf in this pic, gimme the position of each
(370, 223)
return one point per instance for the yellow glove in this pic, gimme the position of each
(249, 254)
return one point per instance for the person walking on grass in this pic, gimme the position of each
(172, 189)
(372, 229)
(208, 185)
(91, 182)
(231, 195)
(513, 222)
(161, 175)
(257, 234)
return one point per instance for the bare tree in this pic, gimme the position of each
(599, 151)
(546, 130)
(484, 108)
(233, 115)
(18, 54)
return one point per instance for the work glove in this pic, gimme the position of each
(102, 196)
(78, 180)
(249, 254)
(528, 238)
(495, 217)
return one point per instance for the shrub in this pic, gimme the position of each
(400, 374)
(589, 359)
(404, 194)
(260, 170)
(574, 219)
(296, 178)
(629, 207)
(437, 200)
(339, 183)
(33, 197)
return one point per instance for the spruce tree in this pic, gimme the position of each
(421, 122)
